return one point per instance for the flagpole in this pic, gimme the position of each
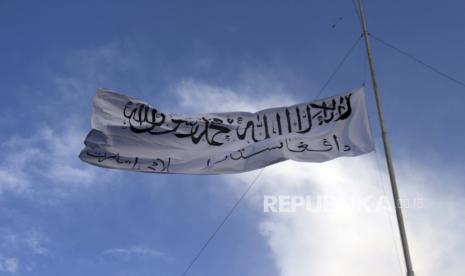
(387, 149)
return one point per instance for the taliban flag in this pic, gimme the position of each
(130, 134)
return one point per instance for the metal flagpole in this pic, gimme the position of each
(387, 149)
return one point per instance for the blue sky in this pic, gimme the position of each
(59, 216)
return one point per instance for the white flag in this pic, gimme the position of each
(130, 134)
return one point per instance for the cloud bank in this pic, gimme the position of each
(349, 241)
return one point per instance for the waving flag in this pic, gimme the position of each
(129, 134)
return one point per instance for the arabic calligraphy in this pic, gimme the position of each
(216, 131)
(130, 134)
(155, 165)
(327, 144)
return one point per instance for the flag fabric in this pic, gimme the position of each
(129, 134)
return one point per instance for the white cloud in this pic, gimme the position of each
(11, 182)
(22, 242)
(19, 245)
(133, 252)
(8, 264)
(197, 96)
(34, 241)
(347, 241)
(48, 153)
(351, 241)
(62, 150)
(356, 242)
